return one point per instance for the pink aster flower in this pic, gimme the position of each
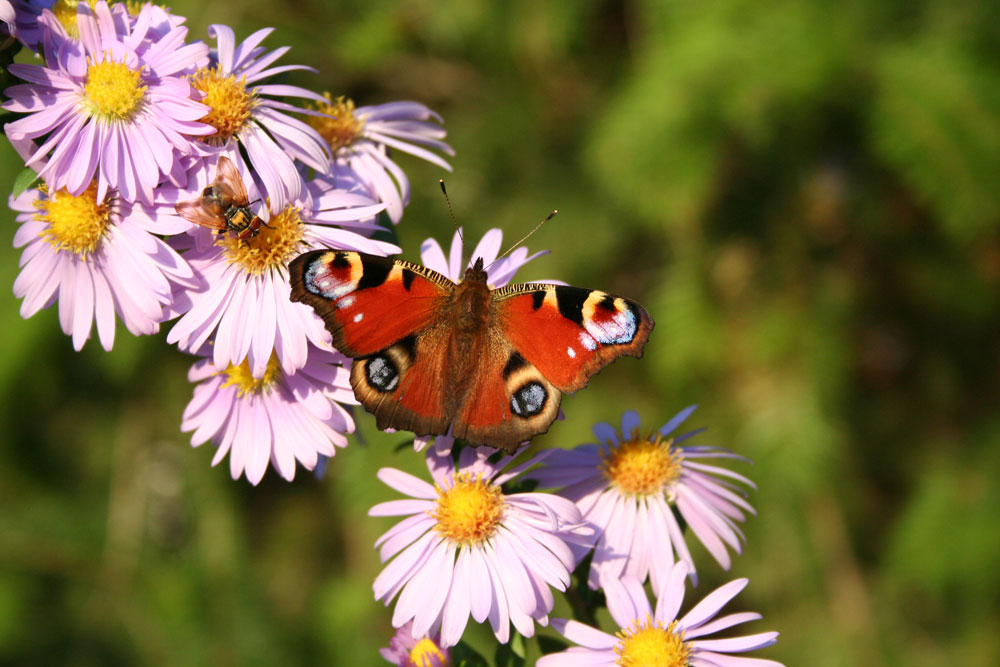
(649, 637)
(243, 302)
(112, 106)
(467, 548)
(243, 113)
(275, 416)
(364, 138)
(405, 651)
(28, 29)
(97, 257)
(629, 486)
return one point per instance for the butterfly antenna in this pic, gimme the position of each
(528, 235)
(451, 212)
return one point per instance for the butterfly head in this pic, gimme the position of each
(476, 272)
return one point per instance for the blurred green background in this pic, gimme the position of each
(803, 194)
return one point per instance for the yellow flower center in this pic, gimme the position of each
(468, 512)
(642, 467)
(343, 128)
(272, 248)
(135, 6)
(65, 12)
(241, 377)
(649, 644)
(113, 91)
(230, 101)
(76, 224)
(424, 653)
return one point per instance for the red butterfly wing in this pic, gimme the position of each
(367, 302)
(386, 314)
(549, 339)
(508, 401)
(570, 333)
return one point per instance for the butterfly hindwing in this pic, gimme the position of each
(367, 302)
(509, 402)
(403, 385)
(570, 333)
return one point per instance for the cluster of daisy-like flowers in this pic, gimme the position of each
(124, 119)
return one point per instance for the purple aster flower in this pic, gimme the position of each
(363, 138)
(405, 651)
(97, 257)
(467, 548)
(658, 637)
(274, 416)
(243, 113)
(112, 106)
(243, 302)
(626, 488)
(29, 30)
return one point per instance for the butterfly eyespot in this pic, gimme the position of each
(382, 374)
(529, 400)
(612, 325)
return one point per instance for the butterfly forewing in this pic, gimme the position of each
(570, 333)
(367, 302)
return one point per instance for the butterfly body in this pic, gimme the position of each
(490, 364)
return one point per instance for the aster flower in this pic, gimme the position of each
(467, 548)
(626, 488)
(243, 113)
(29, 30)
(275, 416)
(97, 257)
(405, 651)
(244, 299)
(660, 638)
(112, 106)
(363, 138)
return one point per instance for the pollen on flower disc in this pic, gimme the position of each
(640, 466)
(469, 511)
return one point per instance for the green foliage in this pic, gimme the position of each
(27, 178)
(804, 196)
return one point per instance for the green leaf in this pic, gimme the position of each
(463, 655)
(551, 644)
(510, 654)
(26, 179)
(936, 122)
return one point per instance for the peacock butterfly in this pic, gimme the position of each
(430, 354)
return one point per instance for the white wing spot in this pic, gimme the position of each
(346, 302)
(588, 341)
(571, 352)
(358, 317)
